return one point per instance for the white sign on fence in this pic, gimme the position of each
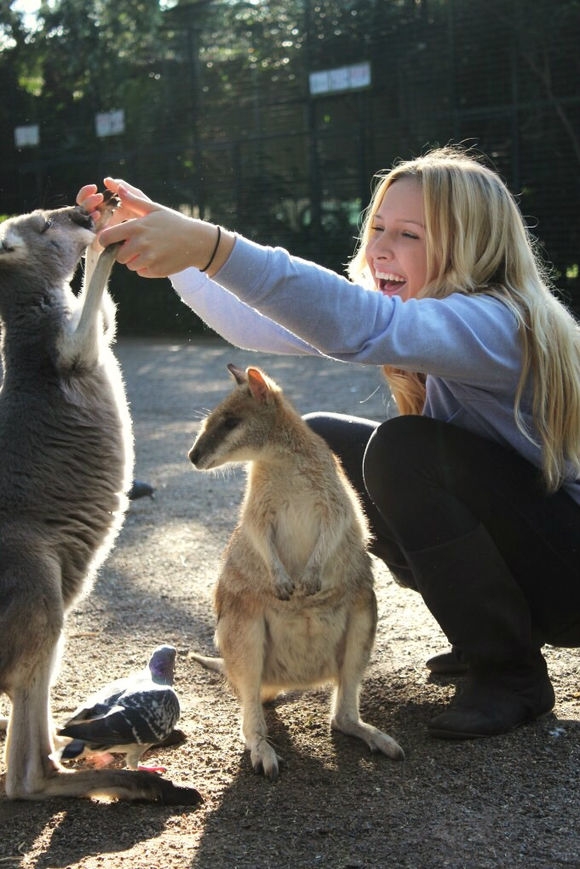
(343, 78)
(27, 137)
(110, 123)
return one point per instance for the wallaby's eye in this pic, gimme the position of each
(47, 224)
(230, 421)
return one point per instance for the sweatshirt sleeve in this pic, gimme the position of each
(233, 319)
(470, 338)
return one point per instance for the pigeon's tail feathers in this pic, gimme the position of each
(215, 664)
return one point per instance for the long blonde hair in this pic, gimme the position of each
(477, 242)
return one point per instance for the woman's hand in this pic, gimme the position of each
(90, 199)
(157, 241)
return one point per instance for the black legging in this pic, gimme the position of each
(425, 482)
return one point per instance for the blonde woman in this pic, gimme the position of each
(473, 491)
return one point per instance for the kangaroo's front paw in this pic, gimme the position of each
(264, 759)
(106, 209)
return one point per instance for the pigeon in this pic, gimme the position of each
(127, 716)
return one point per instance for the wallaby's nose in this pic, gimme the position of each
(193, 455)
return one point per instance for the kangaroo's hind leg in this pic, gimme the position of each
(358, 644)
(31, 626)
(29, 737)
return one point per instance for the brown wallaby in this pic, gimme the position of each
(66, 461)
(294, 600)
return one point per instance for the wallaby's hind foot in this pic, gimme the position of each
(264, 758)
(374, 738)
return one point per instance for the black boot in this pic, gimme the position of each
(495, 701)
(470, 590)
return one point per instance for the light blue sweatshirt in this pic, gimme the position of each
(468, 345)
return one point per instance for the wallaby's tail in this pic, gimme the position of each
(215, 664)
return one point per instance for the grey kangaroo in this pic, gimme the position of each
(66, 461)
(295, 602)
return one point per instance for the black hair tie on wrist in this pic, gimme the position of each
(214, 251)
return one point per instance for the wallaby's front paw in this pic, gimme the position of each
(283, 586)
(310, 581)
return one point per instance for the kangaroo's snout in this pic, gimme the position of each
(79, 216)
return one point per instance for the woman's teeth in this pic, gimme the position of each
(389, 280)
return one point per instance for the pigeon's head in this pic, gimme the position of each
(162, 664)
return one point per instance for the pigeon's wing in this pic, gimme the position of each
(107, 697)
(103, 730)
(100, 702)
(154, 712)
(141, 717)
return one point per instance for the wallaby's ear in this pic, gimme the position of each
(260, 385)
(237, 373)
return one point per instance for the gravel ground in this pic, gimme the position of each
(511, 801)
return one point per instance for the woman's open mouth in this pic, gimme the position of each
(389, 283)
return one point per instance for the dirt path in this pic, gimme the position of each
(510, 802)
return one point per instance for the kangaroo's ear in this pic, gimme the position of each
(238, 374)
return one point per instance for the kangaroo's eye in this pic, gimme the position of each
(47, 224)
